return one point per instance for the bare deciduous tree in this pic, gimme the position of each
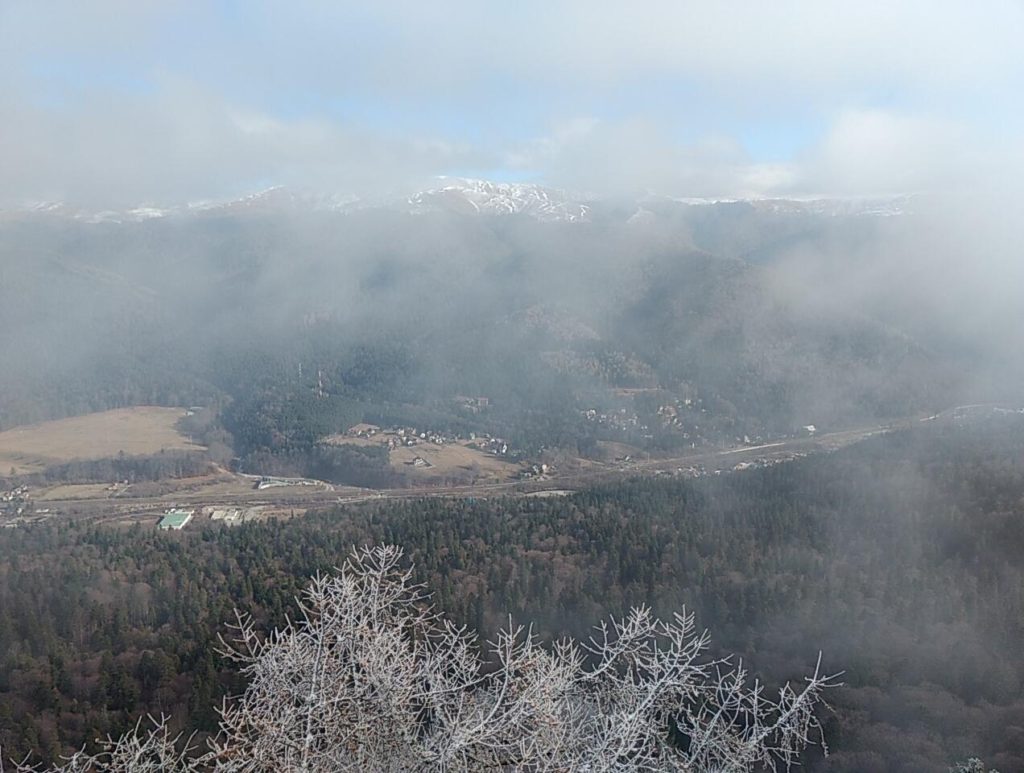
(369, 678)
(153, 750)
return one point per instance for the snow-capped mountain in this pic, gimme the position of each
(485, 197)
(469, 197)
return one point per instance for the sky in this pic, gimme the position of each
(124, 102)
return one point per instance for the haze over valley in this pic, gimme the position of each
(568, 313)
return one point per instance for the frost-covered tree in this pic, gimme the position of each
(369, 678)
(972, 765)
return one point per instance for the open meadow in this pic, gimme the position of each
(427, 460)
(135, 431)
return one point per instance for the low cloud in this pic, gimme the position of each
(111, 102)
(874, 152)
(183, 143)
(638, 156)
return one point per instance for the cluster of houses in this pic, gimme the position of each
(491, 445)
(701, 471)
(671, 413)
(537, 472)
(620, 419)
(408, 437)
(473, 404)
(678, 416)
(16, 508)
(400, 436)
(15, 501)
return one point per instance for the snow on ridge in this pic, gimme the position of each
(148, 213)
(829, 206)
(46, 206)
(471, 196)
(891, 206)
(497, 198)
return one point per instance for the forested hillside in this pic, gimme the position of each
(900, 558)
(300, 324)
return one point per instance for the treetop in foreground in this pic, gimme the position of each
(369, 678)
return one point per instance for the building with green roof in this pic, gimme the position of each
(175, 519)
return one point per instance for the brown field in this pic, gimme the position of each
(452, 459)
(457, 459)
(611, 450)
(135, 431)
(73, 491)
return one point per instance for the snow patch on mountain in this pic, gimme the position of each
(834, 207)
(491, 198)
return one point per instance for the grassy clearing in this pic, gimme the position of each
(135, 431)
(460, 458)
(452, 459)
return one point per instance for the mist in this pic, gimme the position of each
(591, 249)
(115, 105)
(115, 111)
(762, 318)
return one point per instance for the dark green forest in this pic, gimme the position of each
(901, 558)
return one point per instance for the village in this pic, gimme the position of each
(235, 499)
(434, 454)
(421, 458)
(677, 416)
(17, 508)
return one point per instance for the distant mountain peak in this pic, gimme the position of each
(473, 196)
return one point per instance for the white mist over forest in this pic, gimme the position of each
(591, 311)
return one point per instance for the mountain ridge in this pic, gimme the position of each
(468, 196)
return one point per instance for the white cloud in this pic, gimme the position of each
(356, 96)
(184, 143)
(635, 155)
(867, 152)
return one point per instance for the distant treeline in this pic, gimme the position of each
(902, 558)
(345, 464)
(134, 469)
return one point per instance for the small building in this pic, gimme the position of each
(175, 519)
